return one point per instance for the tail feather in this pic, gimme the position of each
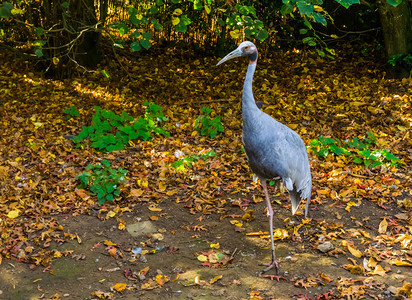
(295, 198)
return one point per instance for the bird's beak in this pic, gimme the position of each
(233, 54)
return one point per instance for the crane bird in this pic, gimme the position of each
(274, 151)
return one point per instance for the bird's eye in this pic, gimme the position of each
(246, 47)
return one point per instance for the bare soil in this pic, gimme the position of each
(90, 268)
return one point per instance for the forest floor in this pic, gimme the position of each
(198, 229)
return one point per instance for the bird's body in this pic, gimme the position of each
(273, 150)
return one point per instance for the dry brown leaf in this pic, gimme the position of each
(383, 226)
(354, 252)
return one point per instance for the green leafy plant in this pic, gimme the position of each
(71, 112)
(323, 147)
(111, 132)
(360, 150)
(180, 164)
(205, 125)
(403, 59)
(102, 180)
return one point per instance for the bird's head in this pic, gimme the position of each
(244, 49)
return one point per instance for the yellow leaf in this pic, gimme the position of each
(175, 21)
(364, 233)
(177, 12)
(207, 9)
(162, 186)
(401, 263)
(111, 214)
(158, 236)
(171, 192)
(136, 192)
(142, 182)
(235, 34)
(37, 125)
(378, 271)
(354, 252)
(112, 252)
(212, 281)
(153, 207)
(109, 243)
(257, 233)
(354, 269)
(176, 278)
(144, 271)
(149, 285)
(202, 258)
(119, 287)
(318, 8)
(13, 214)
(372, 263)
(216, 246)
(349, 204)
(383, 226)
(280, 234)
(55, 60)
(121, 226)
(161, 279)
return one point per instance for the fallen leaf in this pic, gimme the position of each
(109, 243)
(153, 207)
(378, 271)
(215, 246)
(13, 214)
(202, 258)
(354, 252)
(112, 252)
(400, 263)
(383, 226)
(144, 271)
(161, 279)
(213, 280)
(162, 186)
(119, 287)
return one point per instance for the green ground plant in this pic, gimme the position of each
(71, 112)
(208, 126)
(361, 151)
(111, 132)
(188, 161)
(102, 180)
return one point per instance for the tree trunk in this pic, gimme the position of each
(84, 15)
(397, 32)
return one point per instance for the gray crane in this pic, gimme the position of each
(274, 151)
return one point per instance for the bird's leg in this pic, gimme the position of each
(275, 262)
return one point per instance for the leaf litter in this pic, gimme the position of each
(364, 212)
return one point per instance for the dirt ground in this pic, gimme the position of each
(89, 268)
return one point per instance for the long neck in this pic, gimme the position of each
(248, 101)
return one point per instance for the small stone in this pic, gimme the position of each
(325, 247)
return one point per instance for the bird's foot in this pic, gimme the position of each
(273, 264)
